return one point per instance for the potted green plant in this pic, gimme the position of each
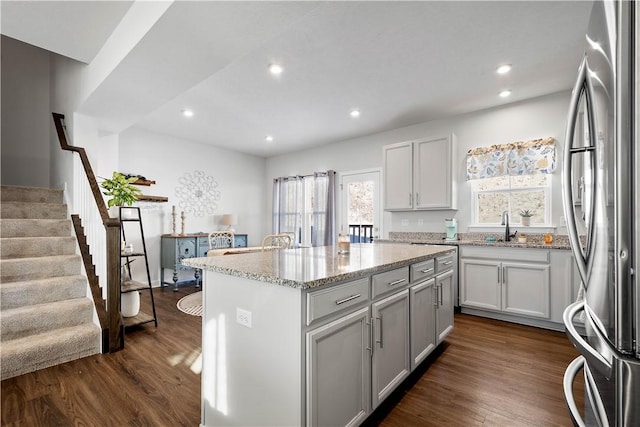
(526, 215)
(120, 190)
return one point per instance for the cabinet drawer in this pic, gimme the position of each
(390, 281)
(422, 270)
(325, 302)
(444, 263)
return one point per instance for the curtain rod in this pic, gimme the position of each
(287, 178)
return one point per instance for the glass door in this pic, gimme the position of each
(360, 205)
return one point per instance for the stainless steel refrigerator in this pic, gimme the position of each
(600, 197)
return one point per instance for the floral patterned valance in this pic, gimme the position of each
(516, 158)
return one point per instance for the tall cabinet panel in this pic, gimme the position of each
(423, 314)
(338, 371)
(398, 192)
(391, 360)
(434, 183)
(444, 303)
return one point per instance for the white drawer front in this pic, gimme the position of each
(327, 301)
(390, 281)
(422, 270)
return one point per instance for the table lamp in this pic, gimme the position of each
(229, 220)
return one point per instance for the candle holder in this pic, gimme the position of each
(174, 218)
(183, 217)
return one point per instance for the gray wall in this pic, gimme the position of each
(26, 115)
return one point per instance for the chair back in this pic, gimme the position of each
(276, 241)
(221, 239)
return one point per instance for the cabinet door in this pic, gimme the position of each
(398, 192)
(434, 179)
(391, 360)
(338, 371)
(423, 331)
(444, 311)
(525, 289)
(480, 284)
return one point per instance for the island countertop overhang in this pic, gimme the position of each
(306, 268)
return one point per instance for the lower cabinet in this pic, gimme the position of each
(423, 314)
(364, 337)
(444, 305)
(338, 369)
(390, 362)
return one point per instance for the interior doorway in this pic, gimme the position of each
(361, 209)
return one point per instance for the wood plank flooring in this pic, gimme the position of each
(487, 373)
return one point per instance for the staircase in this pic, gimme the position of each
(45, 316)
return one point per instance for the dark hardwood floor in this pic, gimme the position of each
(487, 373)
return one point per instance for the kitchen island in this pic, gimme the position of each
(309, 337)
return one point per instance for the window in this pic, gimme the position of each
(492, 196)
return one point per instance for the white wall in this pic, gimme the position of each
(25, 114)
(165, 159)
(535, 118)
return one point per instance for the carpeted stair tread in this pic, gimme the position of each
(22, 210)
(31, 247)
(44, 350)
(11, 193)
(21, 269)
(30, 292)
(11, 227)
(40, 318)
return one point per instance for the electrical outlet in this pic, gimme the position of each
(405, 222)
(563, 221)
(420, 221)
(243, 317)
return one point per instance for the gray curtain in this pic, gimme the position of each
(308, 202)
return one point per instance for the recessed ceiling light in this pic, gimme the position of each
(504, 69)
(187, 113)
(505, 93)
(355, 113)
(268, 138)
(275, 69)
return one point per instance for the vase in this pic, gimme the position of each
(526, 220)
(130, 304)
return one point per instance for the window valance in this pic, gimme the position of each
(516, 158)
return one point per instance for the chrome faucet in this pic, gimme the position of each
(505, 222)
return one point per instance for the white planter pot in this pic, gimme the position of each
(526, 220)
(130, 304)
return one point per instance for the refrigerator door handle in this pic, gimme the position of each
(594, 358)
(594, 398)
(583, 84)
(567, 384)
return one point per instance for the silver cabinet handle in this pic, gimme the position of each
(499, 274)
(428, 270)
(504, 275)
(417, 199)
(380, 333)
(347, 299)
(440, 293)
(447, 263)
(369, 331)
(396, 282)
(410, 199)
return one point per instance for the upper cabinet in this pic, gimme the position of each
(420, 174)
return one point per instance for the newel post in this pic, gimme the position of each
(116, 326)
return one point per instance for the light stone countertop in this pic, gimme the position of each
(534, 241)
(306, 268)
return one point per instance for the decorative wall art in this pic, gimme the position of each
(197, 193)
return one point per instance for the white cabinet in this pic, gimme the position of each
(423, 315)
(338, 366)
(529, 286)
(390, 362)
(420, 174)
(398, 176)
(516, 288)
(444, 305)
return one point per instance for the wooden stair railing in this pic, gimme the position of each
(114, 328)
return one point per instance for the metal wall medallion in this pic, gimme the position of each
(197, 193)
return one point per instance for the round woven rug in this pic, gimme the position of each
(191, 304)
